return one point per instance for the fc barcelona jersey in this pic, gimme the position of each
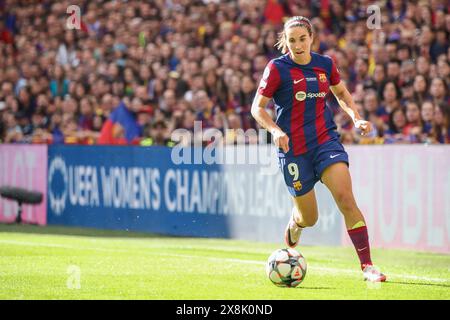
(299, 93)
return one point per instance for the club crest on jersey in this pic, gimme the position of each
(297, 185)
(300, 96)
(322, 77)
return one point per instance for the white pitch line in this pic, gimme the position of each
(242, 261)
(321, 269)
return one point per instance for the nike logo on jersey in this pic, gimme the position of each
(297, 81)
(359, 250)
(334, 155)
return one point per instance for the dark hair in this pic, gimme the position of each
(439, 131)
(391, 122)
(297, 21)
(404, 46)
(396, 61)
(397, 90)
(159, 123)
(418, 105)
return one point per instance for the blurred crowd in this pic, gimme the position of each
(176, 61)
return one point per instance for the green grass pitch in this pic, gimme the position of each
(50, 262)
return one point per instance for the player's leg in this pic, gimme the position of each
(331, 166)
(337, 179)
(304, 214)
(305, 211)
(299, 177)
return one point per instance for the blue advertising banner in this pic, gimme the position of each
(132, 188)
(151, 190)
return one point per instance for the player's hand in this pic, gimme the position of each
(364, 126)
(280, 139)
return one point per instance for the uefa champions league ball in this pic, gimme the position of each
(286, 268)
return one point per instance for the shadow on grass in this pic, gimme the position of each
(420, 284)
(75, 231)
(315, 288)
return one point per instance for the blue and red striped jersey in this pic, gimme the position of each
(299, 93)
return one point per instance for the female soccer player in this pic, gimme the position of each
(305, 133)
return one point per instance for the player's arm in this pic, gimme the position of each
(346, 102)
(260, 114)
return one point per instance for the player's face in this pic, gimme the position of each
(299, 42)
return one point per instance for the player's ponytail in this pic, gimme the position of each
(297, 21)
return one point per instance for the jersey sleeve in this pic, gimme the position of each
(335, 76)
(270, 80)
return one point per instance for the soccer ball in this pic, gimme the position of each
(286, 268)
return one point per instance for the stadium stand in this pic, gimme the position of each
(173, 62)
